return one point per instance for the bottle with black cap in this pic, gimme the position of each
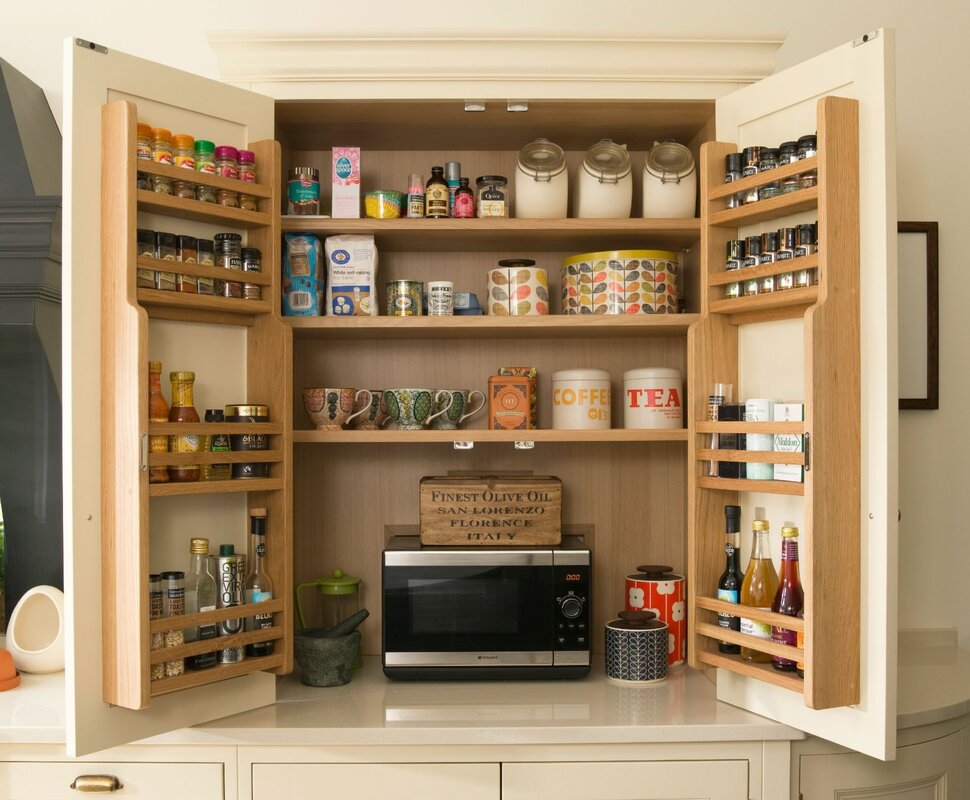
(259, 586)
(729, 585)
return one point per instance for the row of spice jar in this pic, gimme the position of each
(757, 159)
(768, 248)
(199, 155)
(225, 251)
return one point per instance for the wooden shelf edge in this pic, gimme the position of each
(208, 428)
(163, 624)
(745, 485)
(238, 457)
(204, 271)
(762, 672)
(724, 277)
(215, 487)
(768, 646)
(183, 208)
(795, 300)
(762, 178)
(757, 614)
(707, 426)
(791, 203)
(190, 302)
(197, 648)
(220, 672)
(203, 179)
(572, 225)
(749, 456)
(485, 436)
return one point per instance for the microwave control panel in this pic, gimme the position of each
(572, 592)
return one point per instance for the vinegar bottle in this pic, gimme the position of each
(789, 598)
(729, 586)
(183, 410)
(259, 586)
(157, 412)
(759, 589)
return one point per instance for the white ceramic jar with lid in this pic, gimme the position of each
(669, 182)
(541, 181)
(604, 182)
(653, 398)
(581, 399)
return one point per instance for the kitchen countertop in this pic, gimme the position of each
(934, 686)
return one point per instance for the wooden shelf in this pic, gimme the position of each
(194, 210)
(203, 179)
(763, 672)
(745, 485)
(486, 436)
(553, 326)
(784, 204)
(493, 234)
(208, 428)
(205, 271)
(239, 457)
(749, 427)
(764, 270)
(787, 304)
(758, 615)
(748, 456)
(188, 307)
(162, 624)
(220, 672)
(763, 178)
(211, 645)
(215, 487)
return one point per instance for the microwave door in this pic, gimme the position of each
(469, 613)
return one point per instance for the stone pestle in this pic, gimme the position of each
(346, 626)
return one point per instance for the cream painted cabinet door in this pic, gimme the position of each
(391, 781)
(772, 110)
(180, 102)
(926, 771)
(624, 780)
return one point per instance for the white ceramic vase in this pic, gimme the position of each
(35, 632)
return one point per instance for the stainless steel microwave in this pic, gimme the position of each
(464, 614)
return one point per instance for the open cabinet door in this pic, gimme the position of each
(781, 107)
(181, 102)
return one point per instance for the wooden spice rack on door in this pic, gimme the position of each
(830, 538)
(126, 518)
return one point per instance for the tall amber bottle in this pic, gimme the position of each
(157, 412)
(759, 589)
(183, 410)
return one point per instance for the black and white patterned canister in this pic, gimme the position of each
(636, 648)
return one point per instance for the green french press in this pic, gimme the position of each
(340, 596)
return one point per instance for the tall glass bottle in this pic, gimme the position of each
(200, 595)
(729, 585)
(157, 412)
(183, 410)
(789, 598)
(758, 590)
(259, 586)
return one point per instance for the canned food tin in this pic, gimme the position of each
(239, 442)
(404, 298)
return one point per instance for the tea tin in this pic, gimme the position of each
(405, 298)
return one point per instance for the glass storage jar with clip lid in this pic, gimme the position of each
(604, 186)
(669, 182)
(541, 182)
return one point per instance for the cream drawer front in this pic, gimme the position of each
(51, 780)
(388, 781)
(625, 780)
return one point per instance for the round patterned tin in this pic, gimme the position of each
(404, 298)
(636, 648)
(621, 282)
(517, 288)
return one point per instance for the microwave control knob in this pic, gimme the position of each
(571, 607)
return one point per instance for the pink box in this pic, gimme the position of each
(345, 183)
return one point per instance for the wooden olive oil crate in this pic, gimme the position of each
(491, 510)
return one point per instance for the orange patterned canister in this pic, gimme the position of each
(517, 288)
(658, 589)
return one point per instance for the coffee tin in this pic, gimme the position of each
(248, 412)
(581, 399)
(404, 298)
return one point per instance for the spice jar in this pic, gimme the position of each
(604, 187)
(165, 250)
(227, 161)
(228, 254)
(173, 605)
(491, 196)
(769, 160)
(145, 248)
(183, 151)
(161, 154)
(228, 198)
(183, 410)
(787, 241)
(753, 246)
(248, 413)
(807, 147)
(205, 157)
(247, 174)
(769, 254)
(156, 640)
(303, 191)
(188, 253)
(206, 253)
(750, 164)
(251, 262)
(143, 149)
(732, 172)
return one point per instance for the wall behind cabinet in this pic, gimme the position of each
(931, 56)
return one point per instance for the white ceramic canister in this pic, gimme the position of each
(604, 182)
(541, 181)
(653, 398)
(35, 632)
(581, 399)
(669, 182)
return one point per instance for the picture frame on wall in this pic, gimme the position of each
(919, 310)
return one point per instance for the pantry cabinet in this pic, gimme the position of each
(331, 494)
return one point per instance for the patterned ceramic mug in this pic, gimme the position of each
(455, 412)
(331, 409)
(373, 415)
(413, 409)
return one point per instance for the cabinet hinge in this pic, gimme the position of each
(525, 445)
(86, 45)
(866, 37)
(144, 452)
(464, 445)
(808, 452)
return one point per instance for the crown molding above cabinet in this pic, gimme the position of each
(301, 66)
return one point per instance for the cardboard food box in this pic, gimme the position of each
(491, 510)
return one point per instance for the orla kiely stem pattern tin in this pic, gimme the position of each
(621, 282)
(636, 648)
(517, 288)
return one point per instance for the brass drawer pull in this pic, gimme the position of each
(96, 783)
